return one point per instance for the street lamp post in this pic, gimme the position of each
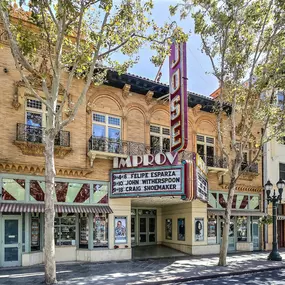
(274, 255)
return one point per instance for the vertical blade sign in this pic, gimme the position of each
(178, 97)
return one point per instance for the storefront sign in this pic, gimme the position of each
(199, 229)
(120, 230)
(201, 179)
(178, 97)
(143, 182)
(181, 229)
(161, 158)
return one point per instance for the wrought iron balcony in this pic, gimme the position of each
(215, 161)
(116, 146)
(26, 133)
(249, 168)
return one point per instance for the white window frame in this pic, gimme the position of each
(42, 111)
(160, 135)
(107, 124)
(205, 143)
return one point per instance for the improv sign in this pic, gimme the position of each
(178, 97)
(145, 160)
(145, 182)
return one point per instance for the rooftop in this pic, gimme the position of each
(142, 85)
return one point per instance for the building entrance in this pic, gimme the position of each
(12, 236)
(143, 227)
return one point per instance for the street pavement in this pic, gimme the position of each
(152, 271)
(273, 277)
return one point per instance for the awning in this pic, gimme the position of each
(213, 212)
(40, 208)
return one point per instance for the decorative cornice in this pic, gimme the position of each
(245, 188)
(10, 167)
(37, 149)
(37, 83)
(126, 91)
(196, 109)
(148, 97)
(15, 103)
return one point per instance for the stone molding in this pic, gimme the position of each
(37, 149)
(10, 167)
(244, 188)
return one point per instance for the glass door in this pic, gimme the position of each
(152, 230)
(255, 234)
(147, 230)
(133, 230)
(12, 241)
(231, 243)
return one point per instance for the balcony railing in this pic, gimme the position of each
(215, 161)
(33, 134)
(250, 168)
(118, 146)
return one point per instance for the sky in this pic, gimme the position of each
(198, 63)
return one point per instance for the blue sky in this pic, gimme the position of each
(197, 62)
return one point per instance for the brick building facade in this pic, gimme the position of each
(128, 115)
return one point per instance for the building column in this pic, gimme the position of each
(27, 232)
(90, 234)
(249, 224)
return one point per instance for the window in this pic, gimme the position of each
(35, 120)
(35, 232)
(159, 139)
(65, 229)
(282, 171)
(106, 130)
(100, 230)
(280, 96)
(206, 149)
(242, 228)
(212, 231)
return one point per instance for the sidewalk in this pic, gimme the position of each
(152, 271)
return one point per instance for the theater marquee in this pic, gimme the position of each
(146, 182)
(178, 97)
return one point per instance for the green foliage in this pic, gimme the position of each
(265, 220)
(129, 26)
(245, 42)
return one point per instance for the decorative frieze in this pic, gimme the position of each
(9, 167)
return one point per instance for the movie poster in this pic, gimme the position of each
(181, 229)
(120, 230)
(199, 229)
(168, 229)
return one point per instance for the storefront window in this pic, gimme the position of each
(64, 229)
(100, 194)
(37, 190)
(242, 228)
(35, 233)
(84, 232)
(212, 231)
(100, 230)
(13, 189)
(71, 192)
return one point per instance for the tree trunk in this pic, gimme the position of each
(226, 227)
(49, 244)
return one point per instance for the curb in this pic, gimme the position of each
(213, 276)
